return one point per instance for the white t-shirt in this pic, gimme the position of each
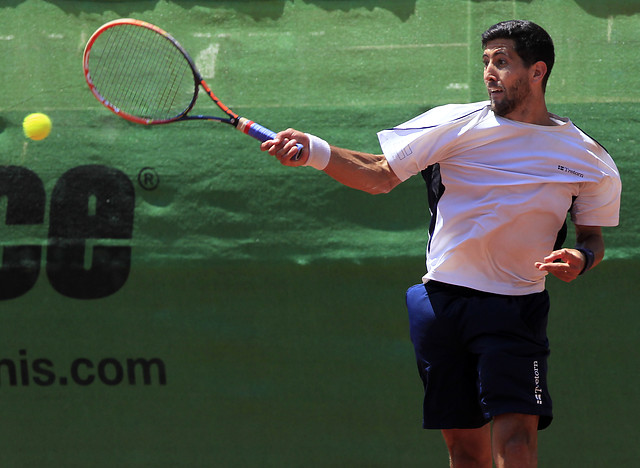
(507, 188)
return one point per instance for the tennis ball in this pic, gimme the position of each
(36, 126)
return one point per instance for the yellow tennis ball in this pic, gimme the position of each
(36, 126)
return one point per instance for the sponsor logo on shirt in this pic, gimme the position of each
(570, 171)
(405, 152)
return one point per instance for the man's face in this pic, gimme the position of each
(505, 76)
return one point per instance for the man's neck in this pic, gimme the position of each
(532, 112)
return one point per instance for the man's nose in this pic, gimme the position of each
(489, 73)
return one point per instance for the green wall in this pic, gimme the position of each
(255, 316)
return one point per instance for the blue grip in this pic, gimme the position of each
(261, 133)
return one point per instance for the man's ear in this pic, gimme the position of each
(538, 71)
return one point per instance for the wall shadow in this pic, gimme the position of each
(494, 1)
(600, 8)
(403, 9)
(273, 9)
(270, 9)
(609, 8)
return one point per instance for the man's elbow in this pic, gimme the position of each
(383, 186)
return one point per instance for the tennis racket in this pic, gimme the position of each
(142, 74)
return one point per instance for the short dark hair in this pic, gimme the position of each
(532, 43)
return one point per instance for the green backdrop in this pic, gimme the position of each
(171, 296)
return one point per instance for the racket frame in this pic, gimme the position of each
(244, 125)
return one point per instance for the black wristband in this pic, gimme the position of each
(589, 256)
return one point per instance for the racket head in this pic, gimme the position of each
(140, 72)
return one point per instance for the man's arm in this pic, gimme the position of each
(362, 171)
(567, 264)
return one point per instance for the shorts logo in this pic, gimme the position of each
(537, 392)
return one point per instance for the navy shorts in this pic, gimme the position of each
(479, 354)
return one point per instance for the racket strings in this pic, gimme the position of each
(141, 73)
(170, 93)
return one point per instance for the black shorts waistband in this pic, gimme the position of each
(464, 291)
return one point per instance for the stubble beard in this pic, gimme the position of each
(512, 98)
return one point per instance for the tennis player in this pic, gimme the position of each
(501, 176)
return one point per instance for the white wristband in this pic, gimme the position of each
(319, 153)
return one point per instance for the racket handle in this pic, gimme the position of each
(261, 133)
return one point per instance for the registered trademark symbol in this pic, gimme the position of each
(148, 178)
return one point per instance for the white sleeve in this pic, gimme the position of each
(421, 142)
(598, 204)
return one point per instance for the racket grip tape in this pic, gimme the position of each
(260, 133)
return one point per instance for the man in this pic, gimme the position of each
(501, 177)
